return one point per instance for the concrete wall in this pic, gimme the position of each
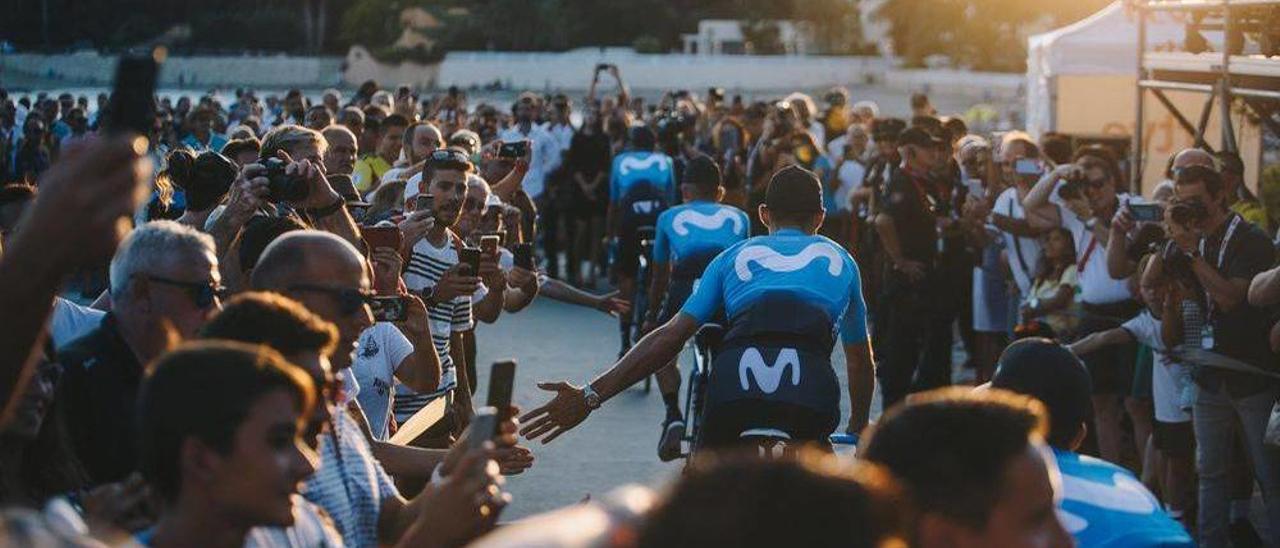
(361, 66)
(572, 70)
(90, 68)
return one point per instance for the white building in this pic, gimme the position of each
(725, 37)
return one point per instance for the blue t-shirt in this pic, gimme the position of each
(634, 169)
(690, 235)
(1103, 505)
(814, 268)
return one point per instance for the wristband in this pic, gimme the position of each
(322, 212)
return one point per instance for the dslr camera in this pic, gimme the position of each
(1188, 213)
(281, 186)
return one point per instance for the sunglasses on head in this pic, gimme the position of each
(202, 294)
(350, 300)
(447, 156)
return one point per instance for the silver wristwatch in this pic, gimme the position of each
(591, 397)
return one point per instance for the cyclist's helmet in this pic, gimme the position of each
(640, 137)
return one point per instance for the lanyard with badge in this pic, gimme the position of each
(1206, 331)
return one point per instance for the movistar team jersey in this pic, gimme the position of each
(813, 270)
(643, 175)
(1103, 505)
(691, 235)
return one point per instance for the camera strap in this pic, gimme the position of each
(1222, 256)
(1088, 252)
(1017, 243)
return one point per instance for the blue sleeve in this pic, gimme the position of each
(853, 329)
(661, 245)
(708, 297)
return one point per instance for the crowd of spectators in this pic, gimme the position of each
(216, 334)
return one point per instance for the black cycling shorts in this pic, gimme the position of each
(791, 390)
(626, 262)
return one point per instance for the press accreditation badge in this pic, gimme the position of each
(1206, 337)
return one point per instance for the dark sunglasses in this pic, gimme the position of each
(350, 300)
(202, 294)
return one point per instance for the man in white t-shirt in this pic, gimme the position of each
(1082, 197)
(545, 148)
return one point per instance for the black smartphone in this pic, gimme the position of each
(1146, 212)
(513, 150)
(502, 379)
(424, 202)
(470, 256)
(523, 255)
(132, 106)
(390, 309)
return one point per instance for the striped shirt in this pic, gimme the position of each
(427, 265)
(350, 485)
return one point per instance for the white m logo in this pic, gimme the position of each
(768, 377)
(630, 162)
(777, 262)
(714, 221)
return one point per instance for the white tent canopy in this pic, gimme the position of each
(1105, 43)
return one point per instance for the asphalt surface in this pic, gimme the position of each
(616, 445)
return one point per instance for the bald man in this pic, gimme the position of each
(340, 157)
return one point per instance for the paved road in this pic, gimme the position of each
(616, 445)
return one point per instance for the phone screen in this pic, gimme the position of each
(1145, 212)
(515, 149)
(389, 309)
(1027, 166)
(424, 202)
(489, 243)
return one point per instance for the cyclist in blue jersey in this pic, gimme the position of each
(785, 296)
(642, 184)
(688, 237)
(1101, 505)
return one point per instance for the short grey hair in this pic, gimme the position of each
(151, 246)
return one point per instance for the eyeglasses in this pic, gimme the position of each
(202, 294)
(350, 300)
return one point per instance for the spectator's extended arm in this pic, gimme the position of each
(98, 183)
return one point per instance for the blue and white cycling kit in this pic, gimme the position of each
(1103, 505)
(688, 237)
(641, 186)
(786, 295)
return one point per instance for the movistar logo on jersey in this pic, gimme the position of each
(715, 221)
(1125, 496)
(630, 163)
(768, 377)
(771, 260)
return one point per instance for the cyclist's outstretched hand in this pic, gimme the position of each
(565, 411)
